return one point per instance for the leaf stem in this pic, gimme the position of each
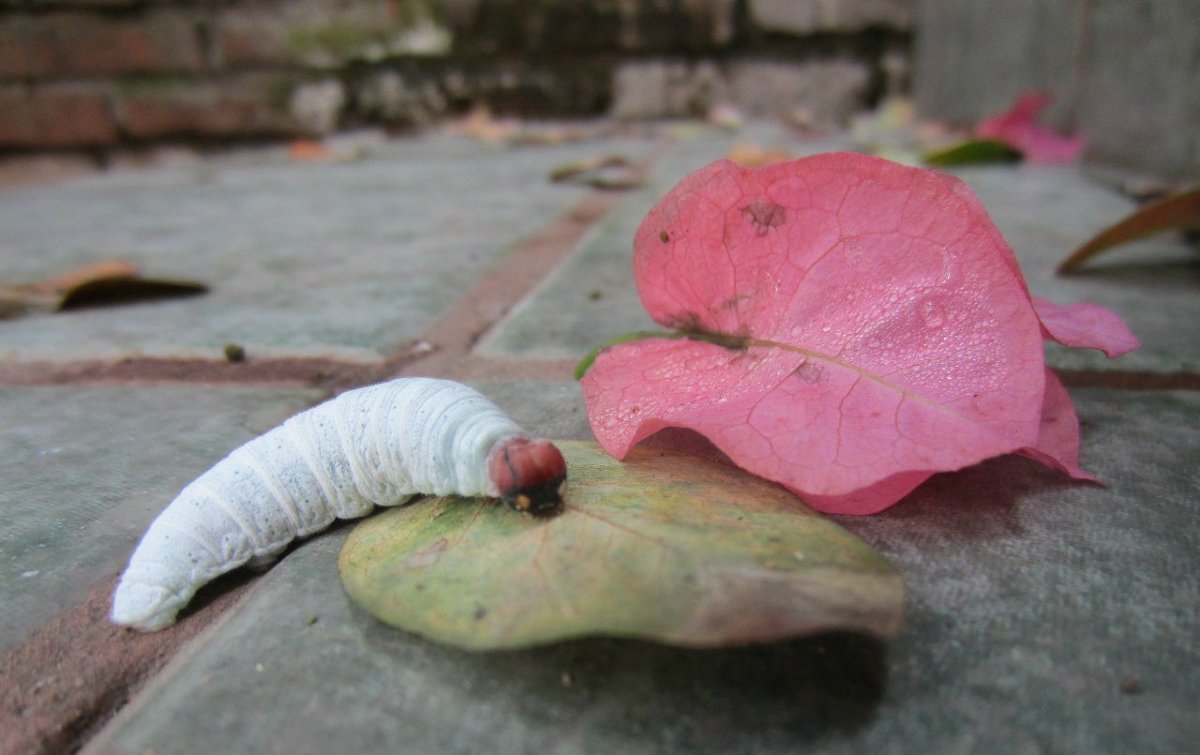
(738, 343)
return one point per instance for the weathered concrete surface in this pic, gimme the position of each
(813, 16)
(332, 260)
(1124, 72)
(827, 92)
(1045, 616)
(85, 469)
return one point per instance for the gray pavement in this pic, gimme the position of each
(86, 468)
(1044, 616)
(304, 259)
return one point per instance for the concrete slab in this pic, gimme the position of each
(85, 469)
(551, 409)
(1045, 617)
(304, 258)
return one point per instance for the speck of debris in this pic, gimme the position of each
(566, 679)
(1132, 686)
(235, 352)
(311, 620)
(595, 294)
(480, 613)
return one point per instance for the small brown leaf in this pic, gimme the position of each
(101, 283)
(754, 156)
(600, 172)
(1181, 212)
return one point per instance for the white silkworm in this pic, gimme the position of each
(378, 445)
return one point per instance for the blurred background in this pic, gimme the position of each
(82, 80)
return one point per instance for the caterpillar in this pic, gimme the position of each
(374, 446)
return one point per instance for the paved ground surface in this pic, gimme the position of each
(1043, 616)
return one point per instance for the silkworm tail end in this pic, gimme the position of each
(529, 475)
(148, 608)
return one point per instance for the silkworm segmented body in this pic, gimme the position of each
(378, 445)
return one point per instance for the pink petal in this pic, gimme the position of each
(869, 500)
(1058, 436)
(1085, 326)
(1019, 128)
(874, 329)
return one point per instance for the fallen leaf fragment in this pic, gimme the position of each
(753, 156)
(972, 152)
(308, 149)
(664, 547)
(1180, 212)
(845, 326)
(480, 124)
(726, 116)
(1019, 128)
(610, 171)
(102, 283)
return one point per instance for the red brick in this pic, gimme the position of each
(23, 170)
(251, 106)
(83, 44)
(48, 117)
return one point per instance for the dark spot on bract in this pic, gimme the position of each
(664, 237)
(764, 215)
(809, 373)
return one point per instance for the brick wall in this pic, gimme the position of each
(96, 74)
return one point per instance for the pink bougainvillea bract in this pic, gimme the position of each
(856, 326)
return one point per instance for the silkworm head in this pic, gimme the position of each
(529, 475)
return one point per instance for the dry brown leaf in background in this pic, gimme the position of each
(101, 283)
(611, 171)
(1180, 212)
(753, 156)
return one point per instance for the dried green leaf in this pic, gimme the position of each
(1181, 211)
(972, 152)
(663, 546)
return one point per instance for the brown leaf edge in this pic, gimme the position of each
(1181, 211)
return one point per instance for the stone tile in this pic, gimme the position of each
(550, 409)
(1044, 616)
(972, 59)
(1045, 212)
(324, 259)
(85, 469)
